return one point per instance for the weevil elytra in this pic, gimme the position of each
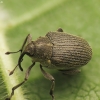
(57, 50)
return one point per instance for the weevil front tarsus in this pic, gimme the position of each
(51, 78)
(27, 40)
(25, 79)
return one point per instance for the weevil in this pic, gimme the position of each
(57, 50)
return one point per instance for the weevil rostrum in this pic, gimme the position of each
(57, 50)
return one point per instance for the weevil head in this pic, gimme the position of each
(29, 50)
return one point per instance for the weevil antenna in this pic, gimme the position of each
(7, 53)
(20, 60)
(11, 72)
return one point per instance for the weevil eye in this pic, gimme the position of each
(29, 49)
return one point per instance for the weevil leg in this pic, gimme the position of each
(59, 30)
(25, 79)
(28, 39)
(70, 72)
(51, 78)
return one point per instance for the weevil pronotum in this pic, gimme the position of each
(57, 50)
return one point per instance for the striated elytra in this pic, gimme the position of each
(57, 50)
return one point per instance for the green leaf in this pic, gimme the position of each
(21, 17)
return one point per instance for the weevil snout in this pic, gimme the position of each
(29, 50)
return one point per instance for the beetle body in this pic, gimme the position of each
(62, 51)
(57, 50)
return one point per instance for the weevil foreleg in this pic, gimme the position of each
(28, 39)
(51, 78)
(25, 79)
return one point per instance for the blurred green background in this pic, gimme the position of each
(37, 17)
